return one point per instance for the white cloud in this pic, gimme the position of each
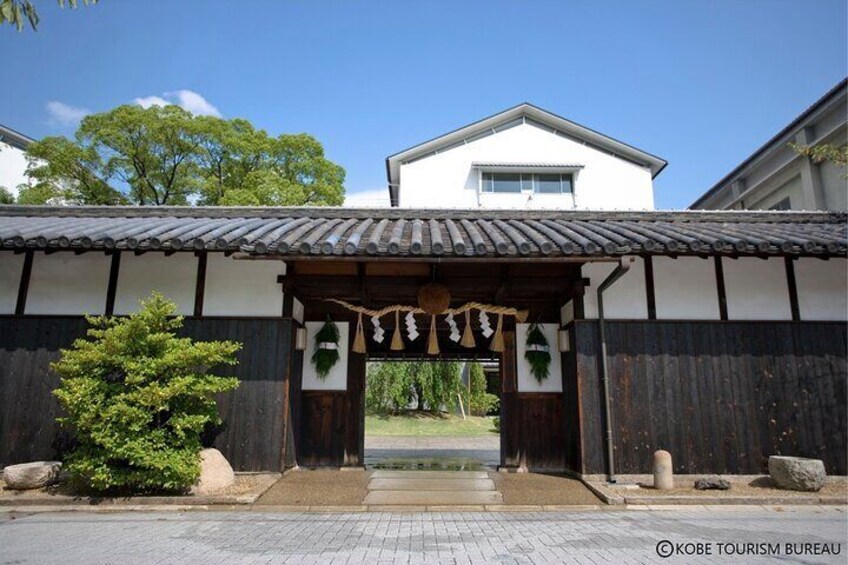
(149, 101)
(64, 115)
(185, 99)
(374, 198)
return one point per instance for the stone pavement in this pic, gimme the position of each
(610, 536)
(432, 452)
(432, 488)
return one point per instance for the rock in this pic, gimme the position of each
(663, 470)
(797, 473)
(215, 473)
(712, 483)
(32, 475)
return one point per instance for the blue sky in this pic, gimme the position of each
(701, 84)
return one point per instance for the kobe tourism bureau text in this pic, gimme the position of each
(668, 548)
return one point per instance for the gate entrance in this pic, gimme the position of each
(432, 415)
(485, 312)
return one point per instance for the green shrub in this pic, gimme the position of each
(480, 402)
(138, 398)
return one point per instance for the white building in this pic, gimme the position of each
(776, 177)
(523, 158)
(13, 163)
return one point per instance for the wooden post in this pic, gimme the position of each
(23, 287)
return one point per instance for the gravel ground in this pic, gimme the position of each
(319, 487)
(542, 489)
(244, 484)
(764, 487)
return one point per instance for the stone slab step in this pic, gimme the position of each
(432, 484)
(430, 475)
(432, 497)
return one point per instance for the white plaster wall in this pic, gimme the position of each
(756, 289)
(685, 289)
(526, 381)
(11, 266)
(13, 167)
(336, 379)
(174, 277)
(822, 289)
(242, 288)
(625, 300)
(447, 180)
(64, 283)
(297, 310)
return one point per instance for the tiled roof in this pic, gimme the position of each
(413, 233)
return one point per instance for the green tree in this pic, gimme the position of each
(165, 155)
(836, 154)
(394, 386)
(67, 172)
(18, 12)
(137, 399)
(6, 196)
(480, 402)
(388, 388)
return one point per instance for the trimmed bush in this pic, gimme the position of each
(480, 402)
(137, 399)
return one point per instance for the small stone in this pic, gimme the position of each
(797, 473)
(712, 483)
(215, 473)
(663, 470)
(36, 474)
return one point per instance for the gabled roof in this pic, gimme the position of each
(14, 138)
(421, 235)
(503, 120)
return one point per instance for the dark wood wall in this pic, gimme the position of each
(538, 430)
(254, 419)
(720, 396)
(331, 424)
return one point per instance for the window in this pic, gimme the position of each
(782, 205)
(548, 183)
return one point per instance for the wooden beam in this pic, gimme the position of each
(23, 287)
(649, 288)
(112, 288)
(793, 289)
(200, 284)
(722, 294)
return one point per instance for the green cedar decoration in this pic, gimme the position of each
(326, 348)
(538, 353)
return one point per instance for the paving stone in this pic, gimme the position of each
(431, 484)
(432, 497)
(429, 474)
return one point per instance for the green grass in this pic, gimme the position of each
(425, 424)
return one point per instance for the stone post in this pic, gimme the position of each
(663, 470)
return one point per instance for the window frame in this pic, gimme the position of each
(564, 176)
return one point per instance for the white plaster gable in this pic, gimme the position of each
(450, 178)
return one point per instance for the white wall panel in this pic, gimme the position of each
(336, 379)
(242, 288)
(11, 266)
(174, 277)
(448, 179)
(822, 289)
(64, 283)
(526, 381)
(685, 289)
(625, 300)
(756, 289)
